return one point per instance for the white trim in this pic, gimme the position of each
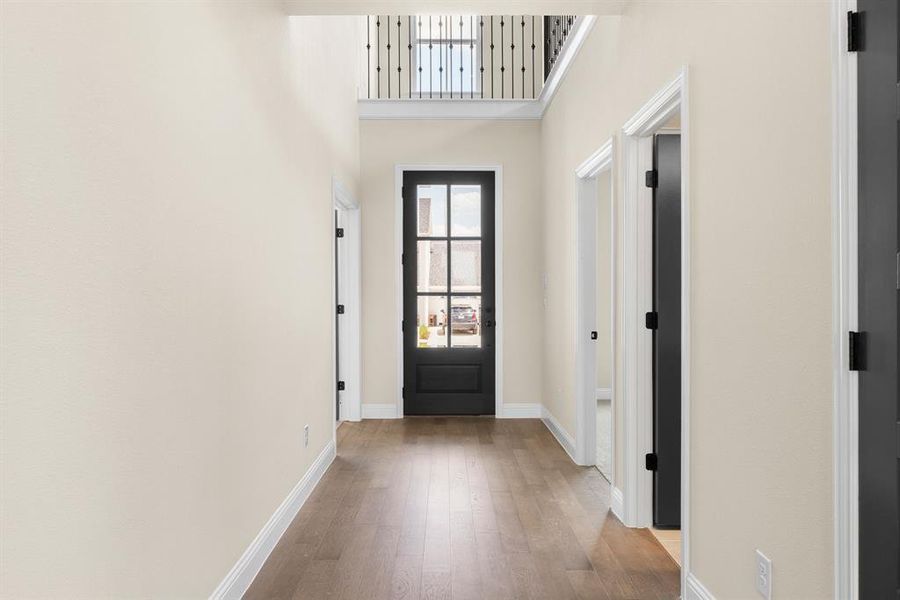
(498, 270)
(562, 436)
(585, 241)
(241, 575)
(845, 297)
(379, 411)
(603, 394)
(601, 160)
(435, 108)
(521, 410)
(350, 292)
(637, 285)
(617, 502)
(477, 108)
(694, 590)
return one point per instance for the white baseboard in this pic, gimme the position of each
(521, 410)
(379, 411)
(562, 436)
(248, 565)
(604, 394)
(694, 590)
(617, 503)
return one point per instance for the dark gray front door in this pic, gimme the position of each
(448, 293)
(879, 502)
(667, 335)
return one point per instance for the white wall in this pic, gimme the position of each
(166, 237)
(514, 145)
(760, 204)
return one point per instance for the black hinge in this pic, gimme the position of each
(593, 335)
(402, 326)
(339, 232)
(856, 352)
(403, 258)
(340, 309)
(650, 461)
(651, 178)
(403, 392)
(651, 320)
(341, 386)
(853, 32)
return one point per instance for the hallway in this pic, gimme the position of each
(461, 508)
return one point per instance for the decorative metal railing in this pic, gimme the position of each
(461, 56)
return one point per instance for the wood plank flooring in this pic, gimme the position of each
(461, 508)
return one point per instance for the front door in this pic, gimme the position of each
(879, 525)
(667, 331)
(448, 293)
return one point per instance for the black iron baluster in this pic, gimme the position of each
(512, 57)
(492, 57)
(389, 55)
(481, 43)
(461, 62)
(450, 53)
(378, 52)
(471, 58)
(523, 57)
(441, 54)
(502, 62)
(532, 56)
(368, 56)
(399, 60)
(409, 30)
(430, 59)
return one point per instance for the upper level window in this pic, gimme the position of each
(446, 51)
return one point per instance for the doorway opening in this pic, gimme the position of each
(449, 317)
(347, 304)
(595, 323)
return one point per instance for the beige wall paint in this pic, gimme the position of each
(515, 146)
(166, 237)
(760, 162)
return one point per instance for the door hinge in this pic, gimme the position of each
(650, 461)
(403, 258)
(898, 270)
(853, 31)
(593, 335)
(339, 232)
(403, 392)
(341, 386)
(856, 352)
(402, 326)
(651, 320)
(340, 309)
(651, 178)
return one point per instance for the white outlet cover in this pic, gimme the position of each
(763, 575)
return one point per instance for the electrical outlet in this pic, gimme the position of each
(763, 575)
(305, 436)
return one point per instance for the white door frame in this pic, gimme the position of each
(637, 287)
(498, 275)
(845, 297)
(349, 288)
(586, 316)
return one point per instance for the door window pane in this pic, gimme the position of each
(465, 322)
(431, 203)
(465, 210)
(465, 266)
(431, 322)
(431, 266)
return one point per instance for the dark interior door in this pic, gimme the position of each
(448, 293)
(667, 335)
(879, 548)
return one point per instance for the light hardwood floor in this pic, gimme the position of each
(461, 508)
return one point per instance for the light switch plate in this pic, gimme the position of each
(763, 575)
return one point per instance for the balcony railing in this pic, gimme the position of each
(461, 57)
